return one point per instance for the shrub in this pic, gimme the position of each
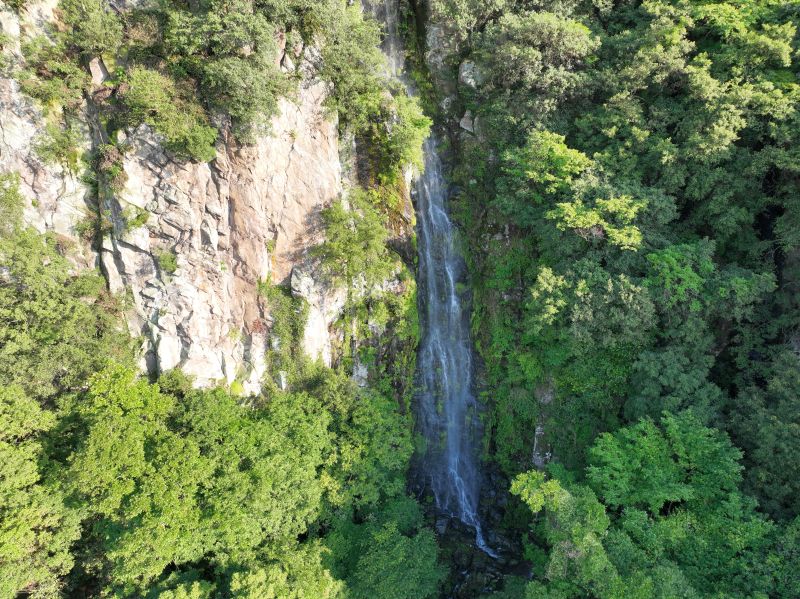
(96, 28)
(59, 145)
(156, 100)
(354, 250)
(11, 203)
(247, 90)
(408, 130)
(135, 217)
(17, 5)
(52, 76)
(230, 49)
(109, 166)
(167, 262)
(5, 60)
(353, 63)
(53, 334)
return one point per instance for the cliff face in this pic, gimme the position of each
(213, 231)
(57, 197)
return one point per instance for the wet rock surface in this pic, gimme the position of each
(473, 572)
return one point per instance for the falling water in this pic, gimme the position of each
(446, 406)
(447, 410)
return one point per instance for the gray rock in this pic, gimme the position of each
(324, 306)
(98, 70)
(469, 75)
(441, 525)
(467, 123)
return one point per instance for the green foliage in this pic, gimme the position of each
(5, 60)
(465, 17)
(396, 566)
(698, 535)
(536, 174)
(204, 475)
(59, 145)
(230, 48)
(612, 218)
(158, 101)
(96, 27)
(681, 270)
(17, 5)
(389, 556)
(37, 528)
(409, 128)
(167, 262)
(52, 76)
(537, 50)
(624, 201)
(629, 203)
(353, 63)
(122, 487)
(765, 426)
(296, 574)
(374, 450)
(640, 466)
(50, 319)
(354, 251)
(11, 204)
(289, 315)
(575, 526)
(168, 476)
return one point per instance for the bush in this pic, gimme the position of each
(52, 76)
(52, 335)
(11, 203)
(156, 100)
(59, 145)
(167, 262)
(355, 251)
(108, 163)
(230, 49)
(96, 28)
(17, 5)
(5, 60)
(408, 131)
(247, 90)
(353, 63)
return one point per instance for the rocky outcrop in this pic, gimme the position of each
(215, 232)
(192, 243)
(56, 198)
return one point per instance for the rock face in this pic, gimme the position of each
(213, 231)
(469, 75)
(56, 198)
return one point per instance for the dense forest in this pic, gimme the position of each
(626, 180)
(630, 198)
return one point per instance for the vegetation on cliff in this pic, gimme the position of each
(177, 67)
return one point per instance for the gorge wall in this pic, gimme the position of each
(205, 235)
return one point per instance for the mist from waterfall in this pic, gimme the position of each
(447, 412)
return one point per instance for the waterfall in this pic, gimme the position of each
(447, 412)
